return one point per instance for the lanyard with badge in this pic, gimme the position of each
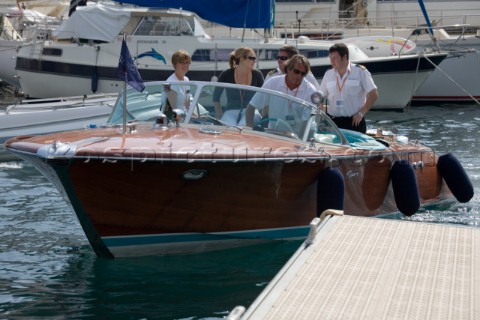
(339, 103)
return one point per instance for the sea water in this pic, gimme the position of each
(48, 270)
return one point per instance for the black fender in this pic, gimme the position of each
(405, 187)
(330, 190)
(455, 177)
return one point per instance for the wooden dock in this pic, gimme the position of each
(370, 268)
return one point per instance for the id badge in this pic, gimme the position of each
(290, 119)
(339, 103)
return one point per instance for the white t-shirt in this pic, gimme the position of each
(183, 92)
(347, 95)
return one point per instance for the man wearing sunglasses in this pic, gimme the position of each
(285, 53)
(349, 89)
(292, 83)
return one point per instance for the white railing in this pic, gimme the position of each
(379, 19)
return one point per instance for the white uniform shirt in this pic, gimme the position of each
(183, 92)
(347, 95)
(279, 108)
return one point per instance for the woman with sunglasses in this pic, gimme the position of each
(242, 71)
(284, 53)
(292, 83)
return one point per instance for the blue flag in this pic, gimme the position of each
(127, 71)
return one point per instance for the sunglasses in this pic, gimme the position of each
(299, 72)
(252, 58)
(283, 58)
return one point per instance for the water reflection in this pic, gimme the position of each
(169, 287)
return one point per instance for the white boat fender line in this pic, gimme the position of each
(330, 190)
(405, 187)
(455, 177)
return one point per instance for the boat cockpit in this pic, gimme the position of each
(213, 104)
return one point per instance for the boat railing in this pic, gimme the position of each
(380, 23)
(334, 24)
(25, 27)
(378, 18)
(63, 102)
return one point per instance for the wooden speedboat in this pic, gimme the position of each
(149, 184)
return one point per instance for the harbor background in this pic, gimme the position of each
(48, 270)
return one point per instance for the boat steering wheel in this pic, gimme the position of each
(278, 125)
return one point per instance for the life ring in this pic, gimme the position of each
(330, 190)
(405, 187)
(455, 177)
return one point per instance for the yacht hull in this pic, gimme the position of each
(396, 77)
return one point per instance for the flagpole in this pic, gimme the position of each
(125, 97)
(128, 72)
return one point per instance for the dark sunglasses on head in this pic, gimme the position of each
(252, 58)
(299, 72)
(283, 58)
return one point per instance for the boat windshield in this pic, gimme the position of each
(225, 104)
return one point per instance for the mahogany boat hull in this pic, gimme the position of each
(139, 205)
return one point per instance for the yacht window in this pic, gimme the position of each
(52, 52)
(310, 54)
(165, 26)
(211, 55)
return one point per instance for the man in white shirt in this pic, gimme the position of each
(349, 89)
(292, 83)
(285, 53)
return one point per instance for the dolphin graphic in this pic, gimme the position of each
(154, 54)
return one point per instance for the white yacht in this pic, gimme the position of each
(83, 55)
(455, 26)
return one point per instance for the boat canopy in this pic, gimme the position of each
(231, 13)
(100, 22)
